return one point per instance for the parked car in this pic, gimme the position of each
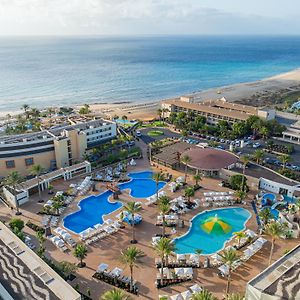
(138, 133)
(256, 145)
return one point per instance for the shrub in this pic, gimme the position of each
(16, 223)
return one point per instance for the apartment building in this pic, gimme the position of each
(55, 148)
(216, 110)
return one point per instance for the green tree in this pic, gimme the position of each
(264, 132)
(197, 178)
(229, 257)
(157, 177)
(85, 109)
(164, 247)
(37, 171)
(185, 159)
(41, 239)
(203, 295)
(58, 202)
(245, 159)
(159, 113)
(258, 156)
(67, 268)
(189, 192)
(240, 195)
(237, 181)
(284, 159)
(239, 235)
(80, 252)
(133, 208)
(265, 215)
(164, 207)
(16, 223)
(131, 257)
(115, 294)
(12, 180)
(275, 230)
(235, 297)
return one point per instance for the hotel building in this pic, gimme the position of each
(292, 133)
(55, 148)
(216, 110)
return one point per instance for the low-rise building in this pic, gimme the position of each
(292, 133)
(24, 275)
(279, 281)
(55, 148)
(217, 110)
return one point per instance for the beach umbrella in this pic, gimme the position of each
(196, 288)
(195, 257)
(215, 225)
(116, 272)
(58, 230)
(66, 235)
(186, 295)
(102, 267)
(180, 257)
(176, 297)
(250, 233)
(98, 226)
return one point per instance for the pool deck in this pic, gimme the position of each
(108, 249)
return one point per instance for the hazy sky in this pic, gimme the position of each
(126, 17)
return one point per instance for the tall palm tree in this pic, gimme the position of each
(37, 170)
(197, 178)
(229, 257)
(275, 230)
(159, 113)
(203, 295)
(264, 132)
(12, 180)
(265, 215)
(258, 156)
(240, 195)
(131, 257)
(164, 207)
(80, 252)
(57, 203)
(185, 159)
(133, 208)
(245, 159)
(284, 159)
(164, 247)
(240, 235)
(189, 192)
(115, 294)
(157, 177)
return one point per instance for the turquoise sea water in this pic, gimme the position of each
(62, 71)
(209, 243)
(93, 208)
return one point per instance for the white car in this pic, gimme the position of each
(138, 133)
(256, 145)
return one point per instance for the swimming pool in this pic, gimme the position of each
(268, 199)
(227, 221)
(93, 208)
(125, 122)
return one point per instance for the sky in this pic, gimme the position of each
(142, 17)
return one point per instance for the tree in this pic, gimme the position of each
(197, 178)
(12, 180)
(85, 109)
(264, 132)
(124, 118)
(157, 177)
(159, 113)
(164, 208)
(258, 156)
(240, 195)
(265, 215)
(67, 268)
(115, 294)
(131, 257)
(284, 159)
(203, 295)
(189, 192)
(37, 170)
(40, 237)
(235, 297)
(133, 208)
(16, 223)
(275, 230)
(236, 182)
(185, 160)
(164, 247)
(240, 235)
(80, 252)
(245, 160)
(25, 107)
(57, 203)
(229, 257)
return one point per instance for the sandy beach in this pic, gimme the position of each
(258, 93)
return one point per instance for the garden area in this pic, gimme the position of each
(155, 133)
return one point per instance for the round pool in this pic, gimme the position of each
(268, 199)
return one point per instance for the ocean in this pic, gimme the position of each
(57, 71)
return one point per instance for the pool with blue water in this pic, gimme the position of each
(93, 208)
(212, 242)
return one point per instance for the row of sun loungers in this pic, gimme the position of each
(65, 236)
(186, 295)
(153, 199)
(49, 220)
(170, 220)
(180, 273)
(59, 243)
(84, 186)
(182, 260)
(209, 194)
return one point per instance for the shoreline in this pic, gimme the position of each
(256, 93)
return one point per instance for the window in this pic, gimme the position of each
(10, 164)
(29, 161)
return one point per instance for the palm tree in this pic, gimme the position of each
(80, 252)
(164, 110)
(115, 294)
(185, 159)
(284, 159)
(159, 113)
(133, 208)
(203, 295)
(37, 170)
(240, 195)
(41, 239)
(240, 235)
(275, 230)
(25, 107)
(57, 203)
(264, 132)
(197, 178)
(235, 297)
(157, 177)
(164, 247)
(245, 161)
(131, 257)
(164, 208)
(265, 215)
(12, 180)
(189, 192)
(229, 257)
(258, 156)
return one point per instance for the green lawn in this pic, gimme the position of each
(155, 133)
